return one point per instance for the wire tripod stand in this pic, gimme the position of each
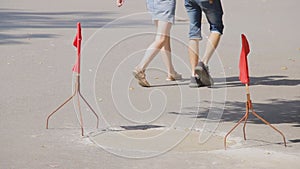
(244, 119)
(76, 68)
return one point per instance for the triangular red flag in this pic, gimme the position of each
(77, 44)
(75, 41)
(244, 74)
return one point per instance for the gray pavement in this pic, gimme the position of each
(166, 126)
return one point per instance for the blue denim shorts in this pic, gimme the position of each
(162, 10)
(213, 12)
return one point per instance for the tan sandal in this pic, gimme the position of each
(141, 77)
(173, 77)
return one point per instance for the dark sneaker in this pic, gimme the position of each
(202, 71)
(195, 82)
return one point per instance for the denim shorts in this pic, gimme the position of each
(213, 12)
(162, 10)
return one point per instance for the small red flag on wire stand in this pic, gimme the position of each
(244, 78)
(76, 68)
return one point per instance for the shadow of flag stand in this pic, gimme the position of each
(244, 78)
(76, 69)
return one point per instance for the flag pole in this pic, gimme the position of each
(76, 68)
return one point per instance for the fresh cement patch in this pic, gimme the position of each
(141, 143)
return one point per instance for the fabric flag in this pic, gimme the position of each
(244, 74)
(77, 44)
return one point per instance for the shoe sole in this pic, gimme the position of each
(195, 83)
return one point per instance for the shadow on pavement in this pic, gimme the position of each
(12, 20)
(273, 80)
(18, 19)
(275, 111)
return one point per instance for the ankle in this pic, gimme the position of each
(205, 63)
(172, 72)
(139, 69)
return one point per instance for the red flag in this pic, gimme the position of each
(75, 41)
(77, 44)
(244, 74)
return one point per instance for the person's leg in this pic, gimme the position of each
(166, 53)
(162, 36)
(214, 13)
(162, 33)
(167, 59)
(202, 67)
(193, 52)
(211, 46)
(195, 15)
(166, 56)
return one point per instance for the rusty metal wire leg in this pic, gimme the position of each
(59, 107)
(76, 91)
(80, 116)
(239, 122)
(247, 115)
(97, 125)
(267, 123)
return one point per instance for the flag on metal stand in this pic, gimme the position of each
(244, 78)
(76, 68)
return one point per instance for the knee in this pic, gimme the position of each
(162, 39)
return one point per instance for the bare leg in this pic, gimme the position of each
(193, 54)
(211, 46)
(166, 56)
(162, 36)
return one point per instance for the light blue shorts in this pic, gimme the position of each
(162, 10)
